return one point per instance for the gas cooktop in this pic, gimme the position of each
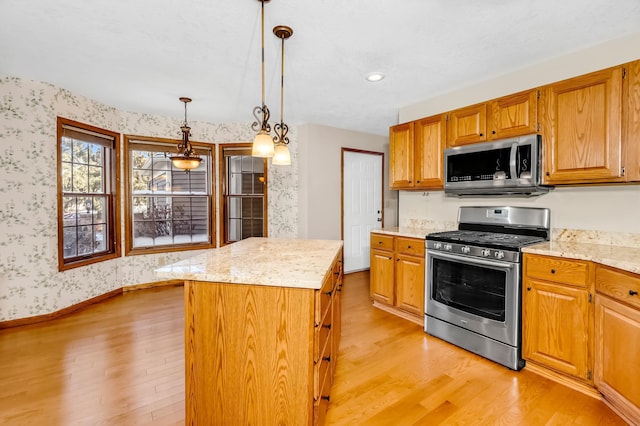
(486, 239)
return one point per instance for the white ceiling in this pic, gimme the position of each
(141, 55)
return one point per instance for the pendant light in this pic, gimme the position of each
(262, 143)
(281, 156)
(186, 159)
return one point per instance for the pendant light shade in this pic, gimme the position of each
(187, 159)
(262, 145)
(261, 113)
(281, 156)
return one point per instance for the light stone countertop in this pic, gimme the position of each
(616, 256)
(404, 231)
(260, 261)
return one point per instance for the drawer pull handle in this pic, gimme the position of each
(327, 326)
(632, 292)
(336, 273)
(553, 271)
(328, 293)
(325, 397)
(326, 358)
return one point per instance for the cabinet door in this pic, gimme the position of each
(581, 124)
(467, 125)
(430, 142)
(410, 283)
(401, 156)
(631, 157)
(381, 276)
(556, 327)
(514, 115)
(618, 354)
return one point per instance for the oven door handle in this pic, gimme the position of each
(493, 263)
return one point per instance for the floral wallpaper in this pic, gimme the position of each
(30, 283)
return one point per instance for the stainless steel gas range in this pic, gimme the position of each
(473, 280)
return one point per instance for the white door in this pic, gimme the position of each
(362, 205)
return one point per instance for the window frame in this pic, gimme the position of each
(171, 144)
(245, 149)
(113, 249)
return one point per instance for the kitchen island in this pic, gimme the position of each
(262, 324)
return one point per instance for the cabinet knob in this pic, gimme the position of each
(398, 260)
(417, 181)
(632, 293)
(553, 271)
(528, 288)
(390, 258)
(493, 132)
(481, 134)
(408, 247)
(548, 174)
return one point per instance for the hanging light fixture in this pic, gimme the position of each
(281, 156)
(262, 143)
(186, 159)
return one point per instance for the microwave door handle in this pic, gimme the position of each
(513, 160)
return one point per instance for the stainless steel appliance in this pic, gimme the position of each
(508, 166)
(473, 280)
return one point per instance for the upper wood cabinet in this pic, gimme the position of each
(631, 123)
(505, 117)
(582, 128)
(429, 144)
(467, 125)
(514, 115)
(416, 151)
(401, 156)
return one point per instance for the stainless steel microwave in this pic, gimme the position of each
(503, 167)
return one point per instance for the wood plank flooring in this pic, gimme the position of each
(121, 363)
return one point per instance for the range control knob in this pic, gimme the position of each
(465, 249)
(485, 252)
(437, 245)
(499, 254)
(447, 247)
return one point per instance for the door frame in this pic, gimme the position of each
(359, 151)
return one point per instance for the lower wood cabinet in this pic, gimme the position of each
(581, 326)
(397, 275)
(617, 361)
(258, 354)
(558, 315)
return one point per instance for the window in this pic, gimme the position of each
(88, 226)
(243, 193)
(167, 209)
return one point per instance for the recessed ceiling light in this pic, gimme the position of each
(375, 76)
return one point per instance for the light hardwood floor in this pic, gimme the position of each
(121, 363)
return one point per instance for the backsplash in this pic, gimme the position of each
(30, 283)
(621, 239)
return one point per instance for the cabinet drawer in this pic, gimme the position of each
(322, 335)
(321, 379)
(619, 285)
(381, 242)
(323, 297)
(411, 246)
(569, 271)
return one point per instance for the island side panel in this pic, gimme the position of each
(249, 354)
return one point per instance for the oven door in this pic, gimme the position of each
(480, 295)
